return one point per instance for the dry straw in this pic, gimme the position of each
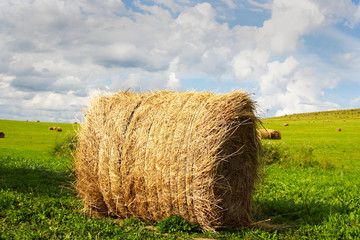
(268, 134)
(154, 155)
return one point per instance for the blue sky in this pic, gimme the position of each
(294, 56)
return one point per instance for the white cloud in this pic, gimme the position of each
(340, 10)
(68, 83)
(201, 16)
(47, 106)
(54, 101)
(248, 63)
(355, 102)
(346, 57)
(276, 79)
(229, 3)
(54, 54)
(266, 5)
(289, 21)
(173, 82)
(287, 89)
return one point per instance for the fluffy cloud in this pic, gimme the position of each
(355, 102)
(338, 11)
(289, 21)
(249, 63)
(287, 89)
(56, 53)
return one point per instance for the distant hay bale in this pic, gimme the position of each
(286, 124)
(338, 129)
(75, 122)
(37, 120)
(160, 154)
(58, 129)
(268, 134)
(263, 134)
(2, 135)
(52, 128)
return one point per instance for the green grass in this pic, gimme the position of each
(318, 131)
(310, 190)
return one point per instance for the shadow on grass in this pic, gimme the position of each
(36, 181)
(294, 214)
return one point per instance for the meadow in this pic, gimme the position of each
(310, 186)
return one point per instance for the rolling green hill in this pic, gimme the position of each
(310, 189)
(325, 115)
(318, 130)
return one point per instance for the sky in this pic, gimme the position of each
(292, 56)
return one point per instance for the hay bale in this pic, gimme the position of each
(2, 135)
(52, 128)
(268, 134)
(338, 129)
(263, 134)
(286, 124)
(159, 154)
(58, 129)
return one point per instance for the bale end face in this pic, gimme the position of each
(2, 135)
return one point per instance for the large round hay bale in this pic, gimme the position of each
(159, 154)
(2, 135)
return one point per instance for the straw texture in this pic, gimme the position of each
(268, 134)
(154, 155)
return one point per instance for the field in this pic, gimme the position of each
(310, 187)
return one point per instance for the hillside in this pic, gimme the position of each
(336, 114)
(311, 192)
(319, 131)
